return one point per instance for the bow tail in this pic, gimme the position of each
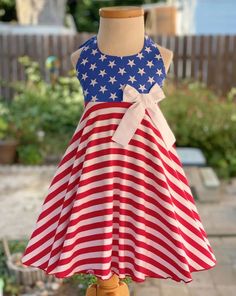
(166, 132)
(128, 124)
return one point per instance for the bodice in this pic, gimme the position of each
(103, 77)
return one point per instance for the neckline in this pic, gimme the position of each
(124, 56)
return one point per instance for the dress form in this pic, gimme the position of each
(122, 25)
(114, 22)
(120, 202)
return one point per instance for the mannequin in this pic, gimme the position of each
(114, 22)
(120, 203)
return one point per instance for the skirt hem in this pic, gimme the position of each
(122, 276)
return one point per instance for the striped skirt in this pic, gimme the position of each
(109, 209)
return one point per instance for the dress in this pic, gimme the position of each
(119, 201)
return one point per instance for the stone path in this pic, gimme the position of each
(22, 190)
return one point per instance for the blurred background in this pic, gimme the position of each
(41, 102)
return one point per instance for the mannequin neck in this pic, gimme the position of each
(121, 36)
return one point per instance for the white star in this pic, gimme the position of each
(94, 51)
(84, 61)
(122, 86)
(140, 55)
(147, 48)
(113, 96)
(159, 72)
(93, 66)
(122, 71)
(158, 56)
(142, 87)
(102, 72)
(85, 47)
(93, 82)
(102, 57)
(151, 79)
(103, 89)
(150, 64)
(111, 64)
(86, 92)
(94, 98)
(84, 76)
(131, 63)
(112, 79)
(141, 71)
(132, 79)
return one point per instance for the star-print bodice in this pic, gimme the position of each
(103, 76)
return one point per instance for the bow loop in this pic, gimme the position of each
(129, 93)
(157, 92)
(135, 113)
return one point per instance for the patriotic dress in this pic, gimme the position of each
(120, 201)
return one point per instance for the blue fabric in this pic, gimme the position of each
(103, 76)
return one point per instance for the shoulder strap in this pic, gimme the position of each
(159, 58)
(83, 46)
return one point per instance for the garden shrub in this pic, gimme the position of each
(199, 118)
(43, 116)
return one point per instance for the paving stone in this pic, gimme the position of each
(223, 275)
(146, 291)
(216, 241)
(146, 283)
(222, 255)
(229, 241)
(234, 266)
(155, 282)
(177, 290)
(201, 279)
(169, 282)
(204, 292)
(226, 290)
(231, 186)
(219, 219)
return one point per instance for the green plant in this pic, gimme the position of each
(7, 10)
(200, 118)
(232, 94)
(11, 288)
(42, 116)
(5, 128)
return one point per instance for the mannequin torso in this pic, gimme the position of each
(114, 22)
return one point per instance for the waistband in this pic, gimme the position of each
(136, 104)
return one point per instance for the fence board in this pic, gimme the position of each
(233, 61)
(176, 58)
(211, 59)
(226, 64)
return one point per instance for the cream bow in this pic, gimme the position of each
(134, 114)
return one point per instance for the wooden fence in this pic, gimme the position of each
(210, 59)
